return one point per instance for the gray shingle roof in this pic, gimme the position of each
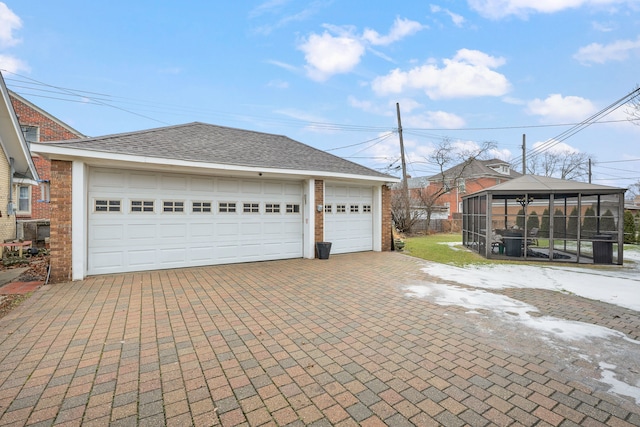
(479, 168)
(201, 142)
(545, 184)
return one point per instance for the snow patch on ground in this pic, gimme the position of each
(619, 285)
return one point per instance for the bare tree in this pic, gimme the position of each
(452, 162)
(403, 218)
(633, 191)
(564, 165)
(633, 108)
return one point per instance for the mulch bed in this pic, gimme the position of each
(36, 272)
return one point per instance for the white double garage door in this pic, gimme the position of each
(150, 220)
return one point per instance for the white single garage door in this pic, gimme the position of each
(147, 221)
(348, 218)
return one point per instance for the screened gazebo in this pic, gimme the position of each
(541, 218)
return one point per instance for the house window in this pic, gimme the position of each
(293, 208)
(272, 208)
(171, 206)
(462, 185)
(102, 205)
(251, 207)
(44, 191)
(341, 208)
(24, 198)
(327, 208)
(142, 205)
(366, 208)
(201, 207)
(226, 207)
(354, 209)
(30, 133)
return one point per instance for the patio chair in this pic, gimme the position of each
(532, 238)
(496, 242)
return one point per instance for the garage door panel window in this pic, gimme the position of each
(293, 208)
(226, 207)
(104, 205)
(142, 206)
(251, 208)
(169, 206)
(201, 207)
(328, 208)
(366, 208)
(354, 208)
(272, 208)
(341, 208)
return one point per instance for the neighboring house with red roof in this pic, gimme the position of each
(442, 213)
(33, 210)
(476, 176)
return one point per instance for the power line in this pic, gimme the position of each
(98, 98)
(550, 143)
(618, 161)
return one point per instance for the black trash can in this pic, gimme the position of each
(512, 243)
(323, 249)
(602, 249)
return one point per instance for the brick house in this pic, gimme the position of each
(33, 209)
(17, 169)
(478, 175)
(199, 194)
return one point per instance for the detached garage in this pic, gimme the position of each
(199, 194)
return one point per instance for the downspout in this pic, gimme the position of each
(10, 209)
(10, 205)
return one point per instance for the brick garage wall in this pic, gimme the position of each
(7, 223)
(61, 222)
(40, 210)
(386, 218)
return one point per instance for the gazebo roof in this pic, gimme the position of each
(547, 185)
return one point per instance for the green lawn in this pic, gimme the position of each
(448, 249)
(443, 248)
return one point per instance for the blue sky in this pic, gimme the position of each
(329, 73)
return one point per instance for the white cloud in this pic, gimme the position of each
(468, 74)
(496, 9)
(401, 28)
(616, 51)
(9, 22)
(267, 7)
(278, 84)
(555, 147)
(457, 20)
(558, 108)
(407, 105)
(339, 49)
(12, 64)
(283, 65)
(604, 27)
(327, 55)
(434, 120)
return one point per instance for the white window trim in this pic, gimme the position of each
(108, 206)
(29, 200)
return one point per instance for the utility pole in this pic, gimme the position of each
(405, 184)
(524, 154)
(589, 171)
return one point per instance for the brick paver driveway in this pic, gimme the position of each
(297, 342)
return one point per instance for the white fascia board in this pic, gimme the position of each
(106, 159)
(13, 143)
(25, 181)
